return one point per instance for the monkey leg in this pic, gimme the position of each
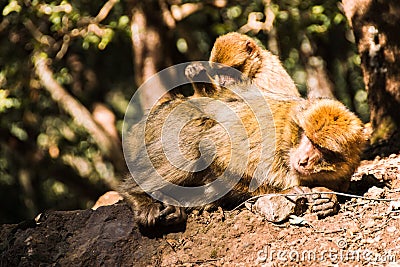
(149, 212)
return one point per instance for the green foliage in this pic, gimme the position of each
(6, 102)
(36, 136)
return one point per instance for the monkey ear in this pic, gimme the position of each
(251, 47)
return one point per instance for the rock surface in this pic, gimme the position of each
(105, 237)
(364, 232)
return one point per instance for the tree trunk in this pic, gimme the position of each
(318, 82)
(376, 28)
(152, 44)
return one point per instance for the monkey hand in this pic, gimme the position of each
(159, 214)
(323, 203)
(194, 70)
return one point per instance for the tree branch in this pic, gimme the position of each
(105, 10)
(108, 146)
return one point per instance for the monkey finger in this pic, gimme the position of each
(167, 210)
(194, 69)
(147, 217)
(172, 215)
(151, 221)
(177, 217)
(321, 201)
(327, 212)
(323, 192)
(315, 196)
(322, 206)
(328, 197)
(325, 209)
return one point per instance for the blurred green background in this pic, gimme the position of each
(49, 161)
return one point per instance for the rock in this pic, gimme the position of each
(375, 192)
(278, 208)
(394, 206)
(107, 236)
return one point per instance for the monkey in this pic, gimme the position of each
(242, 53)
(296, 145)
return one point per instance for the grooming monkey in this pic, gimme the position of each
(242, 53)
(317, 143)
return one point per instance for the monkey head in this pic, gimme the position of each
(256, 65)
(237, 51)
(329, 144)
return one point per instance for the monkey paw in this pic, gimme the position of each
(320, 203)
(323, 204)
(159, 214)
(194, 69)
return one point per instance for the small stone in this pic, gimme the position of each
(353, 228)
(375, 192)
(391, 229)
(310, 217)
(295, 220)
(394, 206)
(277, 208)
(369, 223)
(108, 199)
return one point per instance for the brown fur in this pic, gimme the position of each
(257, 64)
(327, 127)
(336, 133)
(315, 143)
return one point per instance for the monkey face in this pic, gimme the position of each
(308, 159)
(330, 143)
(318, 166)
(305, 157)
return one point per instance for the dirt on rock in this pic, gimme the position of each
(363, 233)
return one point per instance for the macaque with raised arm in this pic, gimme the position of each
(298, 144)
(242, 53)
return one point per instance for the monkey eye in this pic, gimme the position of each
(300, 134)
(330, 155)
